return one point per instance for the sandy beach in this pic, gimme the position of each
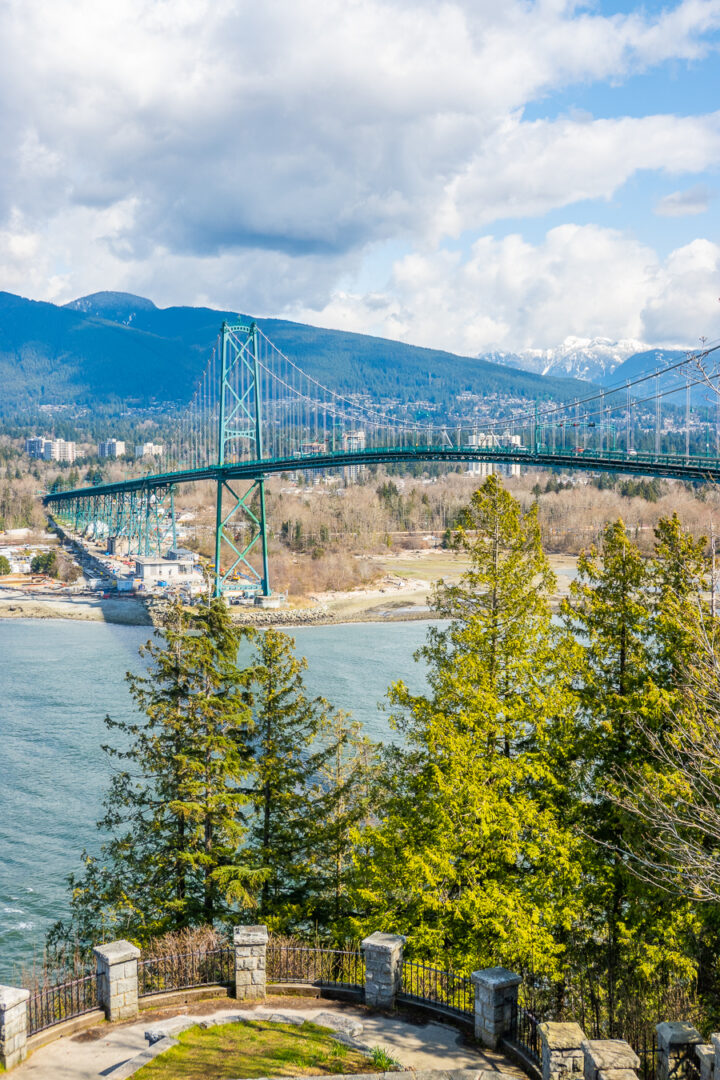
(130, 612)
(402, 592)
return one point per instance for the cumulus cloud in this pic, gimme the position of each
(509, 295)
(250, 154)
(530, 168)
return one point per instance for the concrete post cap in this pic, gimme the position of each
(611, 1054)
(561, 1036)
(495, 978)
(378, 940)
(117, 952)
(676, 1033)
(250, 935)
(12, 995)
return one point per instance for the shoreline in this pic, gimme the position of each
(127, 613)
(403, 595)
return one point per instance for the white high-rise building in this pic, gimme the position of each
(353, 440)
(148, 449)
(486, 441)
(50, 449)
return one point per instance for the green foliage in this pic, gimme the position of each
(4, 565)
(619, 608)
(174, 811)
(45, 563)
(473, 856)
(381, 1059)
(303, 791)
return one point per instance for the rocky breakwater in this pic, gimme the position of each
(252, 616)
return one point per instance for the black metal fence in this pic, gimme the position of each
(50, 1005)
(684, 1064)
(181, 971)
(420, 982)
(647, 1051)
(330, 967)
(523, 1032)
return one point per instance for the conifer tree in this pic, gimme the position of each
(619, 607)
(302, 791)
(174, 809)
(473, 854)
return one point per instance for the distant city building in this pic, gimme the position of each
(35, 446)
(353, 440)
(148, 449)
(486, 441)
(50, 449)
(111, 448)
(312, 476)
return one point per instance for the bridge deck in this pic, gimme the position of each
(670, 466)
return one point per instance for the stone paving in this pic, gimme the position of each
(417, 1045)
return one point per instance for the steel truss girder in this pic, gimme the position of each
(144, 517)
(240, 508)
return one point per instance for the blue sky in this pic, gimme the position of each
(458, 173)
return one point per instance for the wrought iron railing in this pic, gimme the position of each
(50, 1005)
(300, 964)
(523, 1032)
(182, 971)
(420, 982)
(683, 1064)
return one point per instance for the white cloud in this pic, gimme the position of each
(251, 154)
(530, 168)
(694, 200)
(509, 294)
(311, 127)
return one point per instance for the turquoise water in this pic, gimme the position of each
(58, 680)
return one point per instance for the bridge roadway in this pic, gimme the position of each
(671, 466)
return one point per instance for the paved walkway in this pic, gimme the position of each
(416, 1044)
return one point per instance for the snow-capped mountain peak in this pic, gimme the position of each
(582, 358)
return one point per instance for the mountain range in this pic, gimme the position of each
(596, 360)
(110, 349)
(118, 348)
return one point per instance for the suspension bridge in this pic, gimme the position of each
(255, 413)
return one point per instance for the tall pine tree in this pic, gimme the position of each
(304, 794)
(474, 853)
(635, 939)
(174, 810)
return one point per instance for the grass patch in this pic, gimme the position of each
(254, 1048)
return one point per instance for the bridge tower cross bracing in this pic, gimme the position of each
(240, 422)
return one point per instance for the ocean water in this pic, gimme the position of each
(58, 680)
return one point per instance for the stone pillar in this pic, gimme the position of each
(706, 1060)
(561, 1051)
(383, 969)
(496, 994)
(250, 961)
(609, 1059)
(676, 1041)
(13, 1026)
(118, 979)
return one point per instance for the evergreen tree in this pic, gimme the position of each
(344, 788)
(680, 579)
(174, 809)
(301, 791)
(474, 854)
(634, 938)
